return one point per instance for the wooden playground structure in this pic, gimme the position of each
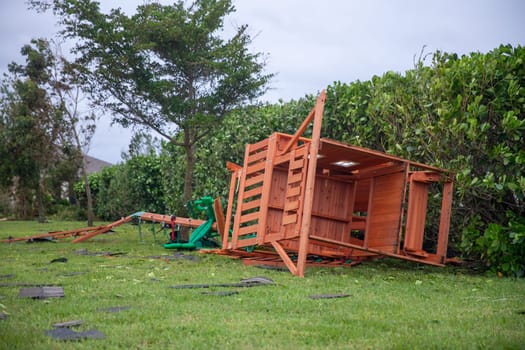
(295, 198)
(315, 196)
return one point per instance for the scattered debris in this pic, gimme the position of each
(75, 273)
(3, 316)
(64, 333)
(62, 260)
(271, 267)
(115, 309)
(41, 292)
(222, 293)
(247, 282)
(328, 296)
(68, 324)
(41, 239)
(83, 251)
(11, 275)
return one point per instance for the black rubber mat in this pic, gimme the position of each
(41, 292)
(65, 333)
(328, 296)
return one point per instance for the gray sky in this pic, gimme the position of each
(310, 44)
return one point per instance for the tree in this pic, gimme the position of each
(80, 126)
(29, 128)
(166, 68)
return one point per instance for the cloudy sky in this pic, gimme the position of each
(310, 44)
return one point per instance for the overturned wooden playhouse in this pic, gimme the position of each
(320, 197)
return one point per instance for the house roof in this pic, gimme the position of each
(94, 165)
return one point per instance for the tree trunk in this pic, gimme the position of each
(190, 167)
(40, 201)
(90, 215)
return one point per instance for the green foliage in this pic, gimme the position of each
(167, 68)
(502, 247)
(120, 190)
(34, 135)
(461, 113)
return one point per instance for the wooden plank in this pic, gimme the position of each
(297, 164)
(292, 192)
(247, 230)
(253, 192)
(240, 199)
(301, 130)
(233, 181)
(246, 242)
(249, 217)
(416, 215)
(295, 178)
(102, 230)
(345, 236)
(251, 169)
(291, 205)
(310, 182)
(376, 251)
(285, 258)
(369, 212)
(219, 216)
(289, 219)
(256, 203)
(254, 180)
(258, 156)
(444, 220)
(255, 146)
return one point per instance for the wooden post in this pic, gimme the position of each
(236, 170)
(310, 184)
(444, 221)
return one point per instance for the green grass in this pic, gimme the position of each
(392, 304)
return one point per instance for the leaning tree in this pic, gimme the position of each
(167, 68)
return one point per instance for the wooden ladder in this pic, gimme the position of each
(294, 197)
(252, 201)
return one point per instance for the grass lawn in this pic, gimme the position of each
(392, 304)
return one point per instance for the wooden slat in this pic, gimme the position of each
(295, 178)
(294, 191)
(375, 251)
(444, 220)
(240, 199)
(248, 229)
(254, 180)
(255, 168)
(236, 171)
(249, 217)
(251, 205)
(289, 219)
(254, 157)
(253, 192)
(246, 242)
(285, 258)
(297, 164)
(255, 146)
(291, 205)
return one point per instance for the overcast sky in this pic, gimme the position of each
(310, 44)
